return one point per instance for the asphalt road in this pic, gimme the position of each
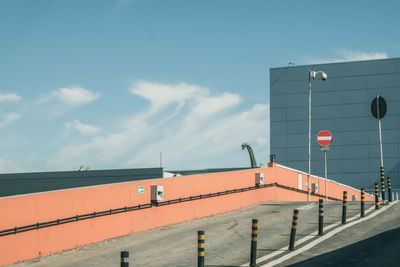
(374, 242)
(227, 239)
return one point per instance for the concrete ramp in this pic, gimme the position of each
(38, 225)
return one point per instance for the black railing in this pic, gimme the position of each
(303, 191)
(87, 216)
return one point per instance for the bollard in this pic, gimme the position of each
(383, 184)
(362, 202)
(376, 197)
(344, 207)
(124, 258)
(321, 217)
(293, 231)
(253, 250)
(200, 249)
(389, 183)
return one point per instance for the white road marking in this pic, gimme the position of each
(323, 238)
(308, 206)
(304, 239)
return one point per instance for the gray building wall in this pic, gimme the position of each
(341, 105)
(24, 183)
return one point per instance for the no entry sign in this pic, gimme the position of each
(324, 138)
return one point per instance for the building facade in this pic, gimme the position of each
(26, 183)
(341, 105)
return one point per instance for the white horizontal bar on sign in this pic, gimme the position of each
(324, 137)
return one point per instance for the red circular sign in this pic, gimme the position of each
(324, 138)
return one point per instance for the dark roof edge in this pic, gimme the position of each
(338, 62)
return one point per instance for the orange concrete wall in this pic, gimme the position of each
(29, 209)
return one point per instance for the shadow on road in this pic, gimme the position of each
(380, 250)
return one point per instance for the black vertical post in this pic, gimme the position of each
(376, 197)
(383, 184)
(362, 202)
(253, 250)
(293, 230)
(200, 249)
(321, 217)
(344, 207)
(389, 189)
(124, 258)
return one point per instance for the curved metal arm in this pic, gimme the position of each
(251, 154)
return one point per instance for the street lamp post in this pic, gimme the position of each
(311, 76)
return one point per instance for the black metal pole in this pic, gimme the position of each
(376, 197)
(383, 184)
(362, 202)
(389, 189)
(344, 207)
(293, 230)
(200, 249)
(124, 258)
(321, 217)
(253, 250)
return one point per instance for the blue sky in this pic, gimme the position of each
(111, 84)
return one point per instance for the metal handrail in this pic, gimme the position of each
(87, 216)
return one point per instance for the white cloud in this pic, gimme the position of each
(192, 127)
(358, 55)
(85, 129)
(9, 97)
(163, 95)
(207, 106)
(9, 118)
(349, 55)
(63, 100)
(75, 96)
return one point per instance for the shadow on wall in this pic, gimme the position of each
(379, 250)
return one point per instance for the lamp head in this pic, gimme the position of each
(313, 74)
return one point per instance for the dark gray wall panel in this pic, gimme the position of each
(341, 105)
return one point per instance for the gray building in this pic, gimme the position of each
(26, 183)
(341, 105)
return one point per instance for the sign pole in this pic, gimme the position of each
(326, 177)
(378, 109)
(380, 149)
(380, 130)
(324, 138)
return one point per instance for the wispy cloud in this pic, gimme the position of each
(192, 127)
(9, 97)
(75, 96)
(65, 99)
(163, 95)
(348, 55)
(9, 118)
(85, 129)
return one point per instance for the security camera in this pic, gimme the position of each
(324, 76)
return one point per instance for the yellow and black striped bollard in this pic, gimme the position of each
(362, 202)
(321, 217)
(344, 207)
(293, 231)
(124, 258)
(383, 184)
(376, 197)
(200, 249)
(253, 250)
(389, 189)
